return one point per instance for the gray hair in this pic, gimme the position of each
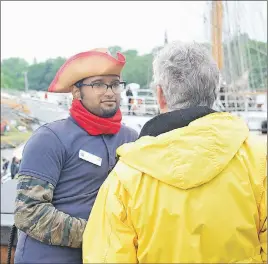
(187, 74)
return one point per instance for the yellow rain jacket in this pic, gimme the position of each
(192, 195)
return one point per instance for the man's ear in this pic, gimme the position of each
(76, 93)
(161, 99)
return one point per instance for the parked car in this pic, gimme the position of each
(145, 103)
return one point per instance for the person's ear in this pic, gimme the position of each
(161, 99)
(76, 93)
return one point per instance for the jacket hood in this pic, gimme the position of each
(190, 156)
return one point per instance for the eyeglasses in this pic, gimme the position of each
(101, 88)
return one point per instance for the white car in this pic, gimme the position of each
(145, 103)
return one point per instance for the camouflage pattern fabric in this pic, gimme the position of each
(36, 216)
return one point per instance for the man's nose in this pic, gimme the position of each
(109, 92)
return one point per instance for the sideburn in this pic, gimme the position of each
(81, 93)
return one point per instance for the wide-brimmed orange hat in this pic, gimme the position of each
(86, 64)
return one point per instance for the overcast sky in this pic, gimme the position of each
(45, 29)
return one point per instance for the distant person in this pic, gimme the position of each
(5, 163)
(222, 95)
(264, 127)
(65, 162)
(14, 167)
(193, 188)
(3, 127)
(129, 95)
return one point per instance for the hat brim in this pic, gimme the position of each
(84, 65)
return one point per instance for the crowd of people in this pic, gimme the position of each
(190, 188)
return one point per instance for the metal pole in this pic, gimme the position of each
(26, 85)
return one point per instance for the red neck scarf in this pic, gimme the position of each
(95, 125)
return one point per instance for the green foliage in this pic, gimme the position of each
(12, 73)
(6, 80)
(138, 67)
(40, 75)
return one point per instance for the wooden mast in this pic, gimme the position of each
(217, 22)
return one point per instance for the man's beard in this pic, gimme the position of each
(107, 113)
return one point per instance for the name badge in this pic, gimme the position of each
(90, 157)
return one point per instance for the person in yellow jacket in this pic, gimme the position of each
(192, 188)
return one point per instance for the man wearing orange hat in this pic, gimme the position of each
(65, 162)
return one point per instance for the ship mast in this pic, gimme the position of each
(217, 21)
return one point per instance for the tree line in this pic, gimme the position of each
(138, 68)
